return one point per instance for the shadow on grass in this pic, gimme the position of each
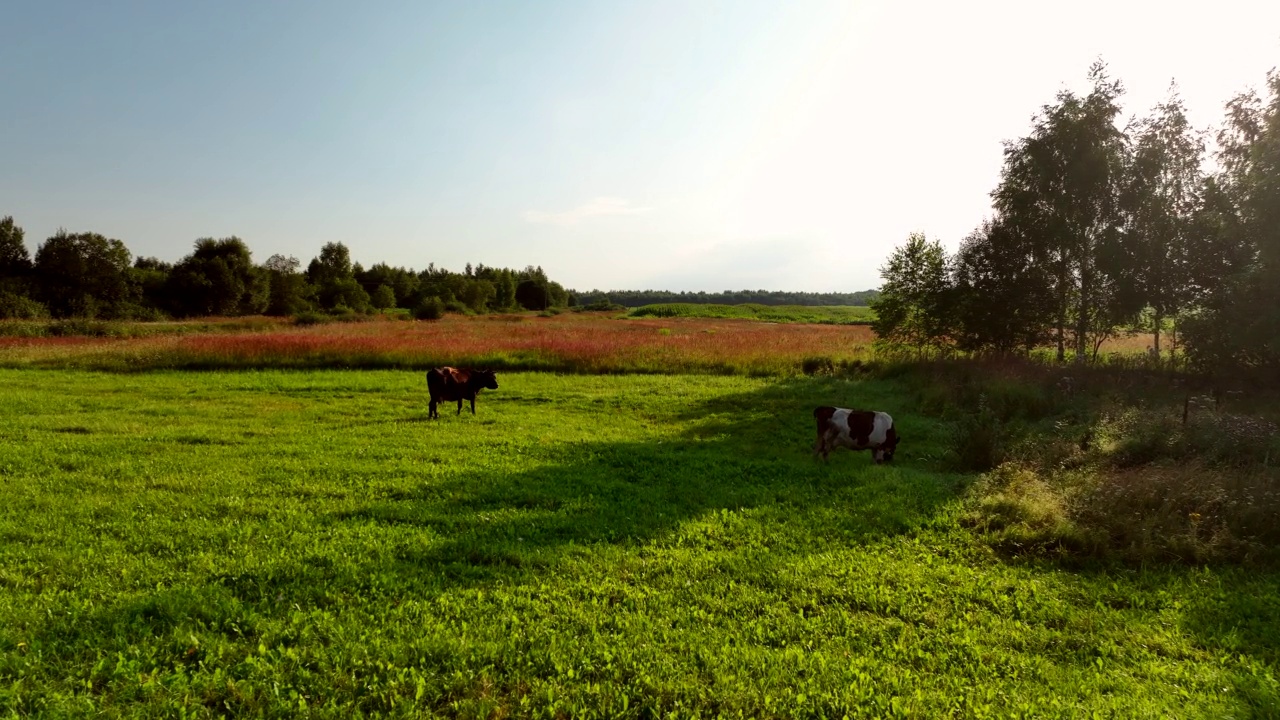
(738, 482)
(746, 453)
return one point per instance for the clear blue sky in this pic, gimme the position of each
(685, 146)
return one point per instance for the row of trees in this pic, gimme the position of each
(1100, 229)
(636, 298)
(88, 275)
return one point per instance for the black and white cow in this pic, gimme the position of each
(857, 430)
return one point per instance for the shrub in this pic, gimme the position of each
(1140, 437)
(80, 327)
(21, 307)
(978, 440)
(311, 317)
(1014, 495)
(817, 366)
(1149, 489)
(431, 308)
(533, 294)
(658, 311)
(383, 298)
(141, 313)
(457, 306)
(599, 306)
(27, 329)
(1185, 512)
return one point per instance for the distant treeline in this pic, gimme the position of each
(87, 275)
(637, 298)
(821, 314)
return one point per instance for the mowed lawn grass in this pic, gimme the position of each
(307, 543)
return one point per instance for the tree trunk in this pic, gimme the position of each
(1082, 318)
(1159, 320)
(1062, 322)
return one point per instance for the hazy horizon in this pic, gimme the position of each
(743, 145)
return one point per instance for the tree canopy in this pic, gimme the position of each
(1099, 229)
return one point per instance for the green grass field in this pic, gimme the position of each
(307, 543)
(826, 315)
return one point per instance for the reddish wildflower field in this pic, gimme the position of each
(579, 342)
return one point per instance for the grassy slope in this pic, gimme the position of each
(256, 541)
(835, 314)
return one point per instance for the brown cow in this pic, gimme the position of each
(856, 430)
(447, 384)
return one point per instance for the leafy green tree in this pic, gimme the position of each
(334, 279)
(288, 292)
(218, 278)
(1250, 157)
(913, 307)
(15, 261)
(1231, 252)
(331, 266)
(431, 308)
(477, 294)
(532, 273)
(20, 307)
(151, 276)
(15, 274)
(84, 275)
(384, 297)
(504, 291)
(1161, 254)
(533, 294)
(404, 283)
(1001, 301)
(559, 297)
(1060, 185)
(1240, 325)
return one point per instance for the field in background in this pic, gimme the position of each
(275, 543)
(830, 315)
(123, 329)
(587, 342)
(569, 342)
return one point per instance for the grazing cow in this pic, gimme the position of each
(856, 430)
(447, 384)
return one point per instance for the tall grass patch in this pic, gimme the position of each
(569, 342)
(1131, 474)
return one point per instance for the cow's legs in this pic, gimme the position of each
(823, 447)
(432, 414)
(459, 406)
(473, 406)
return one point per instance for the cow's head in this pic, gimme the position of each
(486, 379)
(885, 452)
